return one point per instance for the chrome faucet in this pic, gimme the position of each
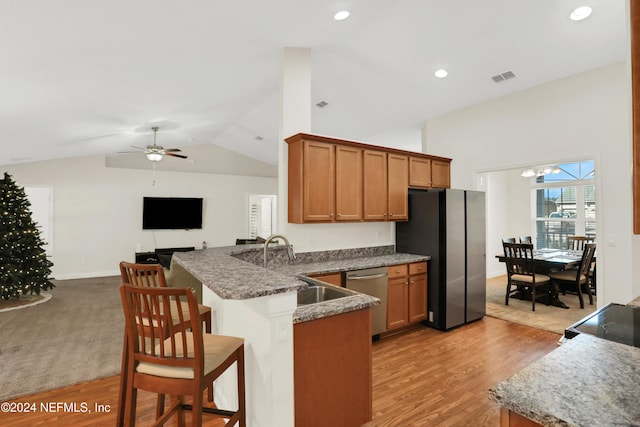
(290, 252)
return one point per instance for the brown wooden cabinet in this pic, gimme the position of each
(375, 185)
(428, 173)
(331, 278)
(325, 182)
(311, 181)
(397, 297)
(332, 180)
(397, 187)
(332, 366)
(407, 294)
(348, 183)
(417, 291)
(440, 174)
(385, 186)
(510, 418)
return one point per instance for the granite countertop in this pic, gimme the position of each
(587, 381)
(236, 272)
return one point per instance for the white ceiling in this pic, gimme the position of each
(83, 77)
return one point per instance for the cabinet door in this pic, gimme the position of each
(397, 303)
(331, 278)
(440, 174)
(375, 185)
(398, 183)
(348, 183)
(319, 181)
(417, 298)
(419, 172)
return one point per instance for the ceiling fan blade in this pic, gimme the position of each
(169, 150)
(138, 148)
(175, 155)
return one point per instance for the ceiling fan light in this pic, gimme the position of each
(154, 157)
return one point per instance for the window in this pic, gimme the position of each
(564, 204)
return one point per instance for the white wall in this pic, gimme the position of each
(583, 116)
(508, 205)
(98, 210)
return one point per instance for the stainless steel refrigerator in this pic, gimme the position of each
(449, 226)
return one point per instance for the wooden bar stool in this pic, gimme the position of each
(165, 357)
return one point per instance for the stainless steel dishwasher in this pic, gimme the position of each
(372, 281)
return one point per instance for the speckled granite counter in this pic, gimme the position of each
(587, 381)
(235, 272)
(635, 302)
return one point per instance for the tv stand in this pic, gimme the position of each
(153, 258)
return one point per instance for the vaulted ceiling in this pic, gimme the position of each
(83, 77)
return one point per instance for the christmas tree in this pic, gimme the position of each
(24, 267)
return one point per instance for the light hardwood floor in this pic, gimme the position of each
(422, 377)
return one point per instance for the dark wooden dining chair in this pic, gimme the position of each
(577, 279)
(576, 243)
(525, 239)
(521, 273)
(178, 359)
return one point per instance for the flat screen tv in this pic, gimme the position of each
(171, 213)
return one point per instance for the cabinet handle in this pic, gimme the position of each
(412, 282)
(339, 214)
(330, 215)
(390, 214)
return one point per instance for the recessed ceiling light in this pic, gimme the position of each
(580, 13)
(441, 73)
(342, 15)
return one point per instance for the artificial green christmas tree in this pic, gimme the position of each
(24, 267)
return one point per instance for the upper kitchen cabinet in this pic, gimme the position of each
(385, 186)
(398, 187)
(429, 172)
(334, 180)
(311, 181)
(348, 183)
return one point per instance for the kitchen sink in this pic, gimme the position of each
(316, 294)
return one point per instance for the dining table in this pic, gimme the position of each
(547, 260)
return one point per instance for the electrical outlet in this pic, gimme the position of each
(431, 316)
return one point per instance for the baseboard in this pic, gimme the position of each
(86, 275)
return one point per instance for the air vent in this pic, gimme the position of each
(502, 77)
(322, 104)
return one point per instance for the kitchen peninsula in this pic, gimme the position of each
(260, 305)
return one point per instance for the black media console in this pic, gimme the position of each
(160, 255)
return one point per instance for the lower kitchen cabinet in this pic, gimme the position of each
(332, 370)
(331, 278)
(407, 294)
(513, 419)
(417, 292)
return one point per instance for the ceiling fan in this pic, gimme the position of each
(156, 152)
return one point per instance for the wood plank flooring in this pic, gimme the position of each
(422, 377)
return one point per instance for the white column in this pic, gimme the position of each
(295, 114)
(266, 326)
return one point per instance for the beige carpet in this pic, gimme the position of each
(550, 318)
(74, 337)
